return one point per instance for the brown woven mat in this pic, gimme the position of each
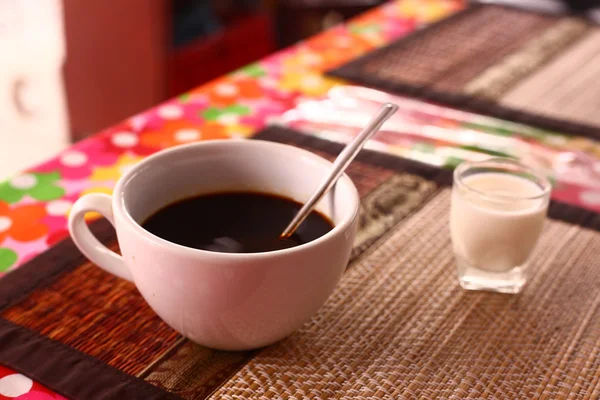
(400, 327)
(518, 65)
(62, 307)
(566, 88)
(89, 335)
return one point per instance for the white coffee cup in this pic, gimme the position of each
(223, 300)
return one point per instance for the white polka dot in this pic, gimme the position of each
(375, 145)
(311, 59)
(123, 169)
(272, 119)
(268, 82)
(312, 81)
(124, 139)
(15, 385)
(371, 35)
(555, 140)
(25, 181)
(58, 208)
(226, 89)
(187, 135)
(73, 159)
(137, 122)
(228, 119)
(590, 198)
(343, 41)
(170, 111)
(5, 224)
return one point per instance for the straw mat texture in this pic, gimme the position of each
(528, 67)
(400, 327)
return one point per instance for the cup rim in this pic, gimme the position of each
(546, 186)
(119, 202)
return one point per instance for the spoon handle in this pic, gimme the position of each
(340, 164)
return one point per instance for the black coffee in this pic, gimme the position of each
(237, 222)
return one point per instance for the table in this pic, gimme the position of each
(34, 205)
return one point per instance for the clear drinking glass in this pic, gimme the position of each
(498, 211)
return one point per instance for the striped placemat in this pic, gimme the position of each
(535, 68)
(398, 325)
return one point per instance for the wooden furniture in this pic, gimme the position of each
(299, 19)
(120, 61)
(116, 60)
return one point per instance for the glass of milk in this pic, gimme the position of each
(498, 211)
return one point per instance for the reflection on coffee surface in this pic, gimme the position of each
(235, 222)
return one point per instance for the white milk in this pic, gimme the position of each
(493, 234)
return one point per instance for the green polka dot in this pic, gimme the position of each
(8, 258)
(45, 189)
(238, 109)
(452, 162)
(494, 130)
(253, 70)
(213, 113)
(9, 194)
(362, 29)
(487, 151)
(424, 147)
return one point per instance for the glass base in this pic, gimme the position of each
(473, 278)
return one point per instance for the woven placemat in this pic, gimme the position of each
(514, 64)
(400, 327)
(89, 335)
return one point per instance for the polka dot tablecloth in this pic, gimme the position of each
(35, 204)
(14, 386)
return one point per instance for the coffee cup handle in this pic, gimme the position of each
(91, 247)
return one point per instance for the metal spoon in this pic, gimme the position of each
(340, 164)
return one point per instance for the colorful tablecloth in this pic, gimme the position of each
(17, 386)
(35, 204)
(398, 324)
(445, 137)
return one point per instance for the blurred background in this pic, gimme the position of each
(69, 68)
